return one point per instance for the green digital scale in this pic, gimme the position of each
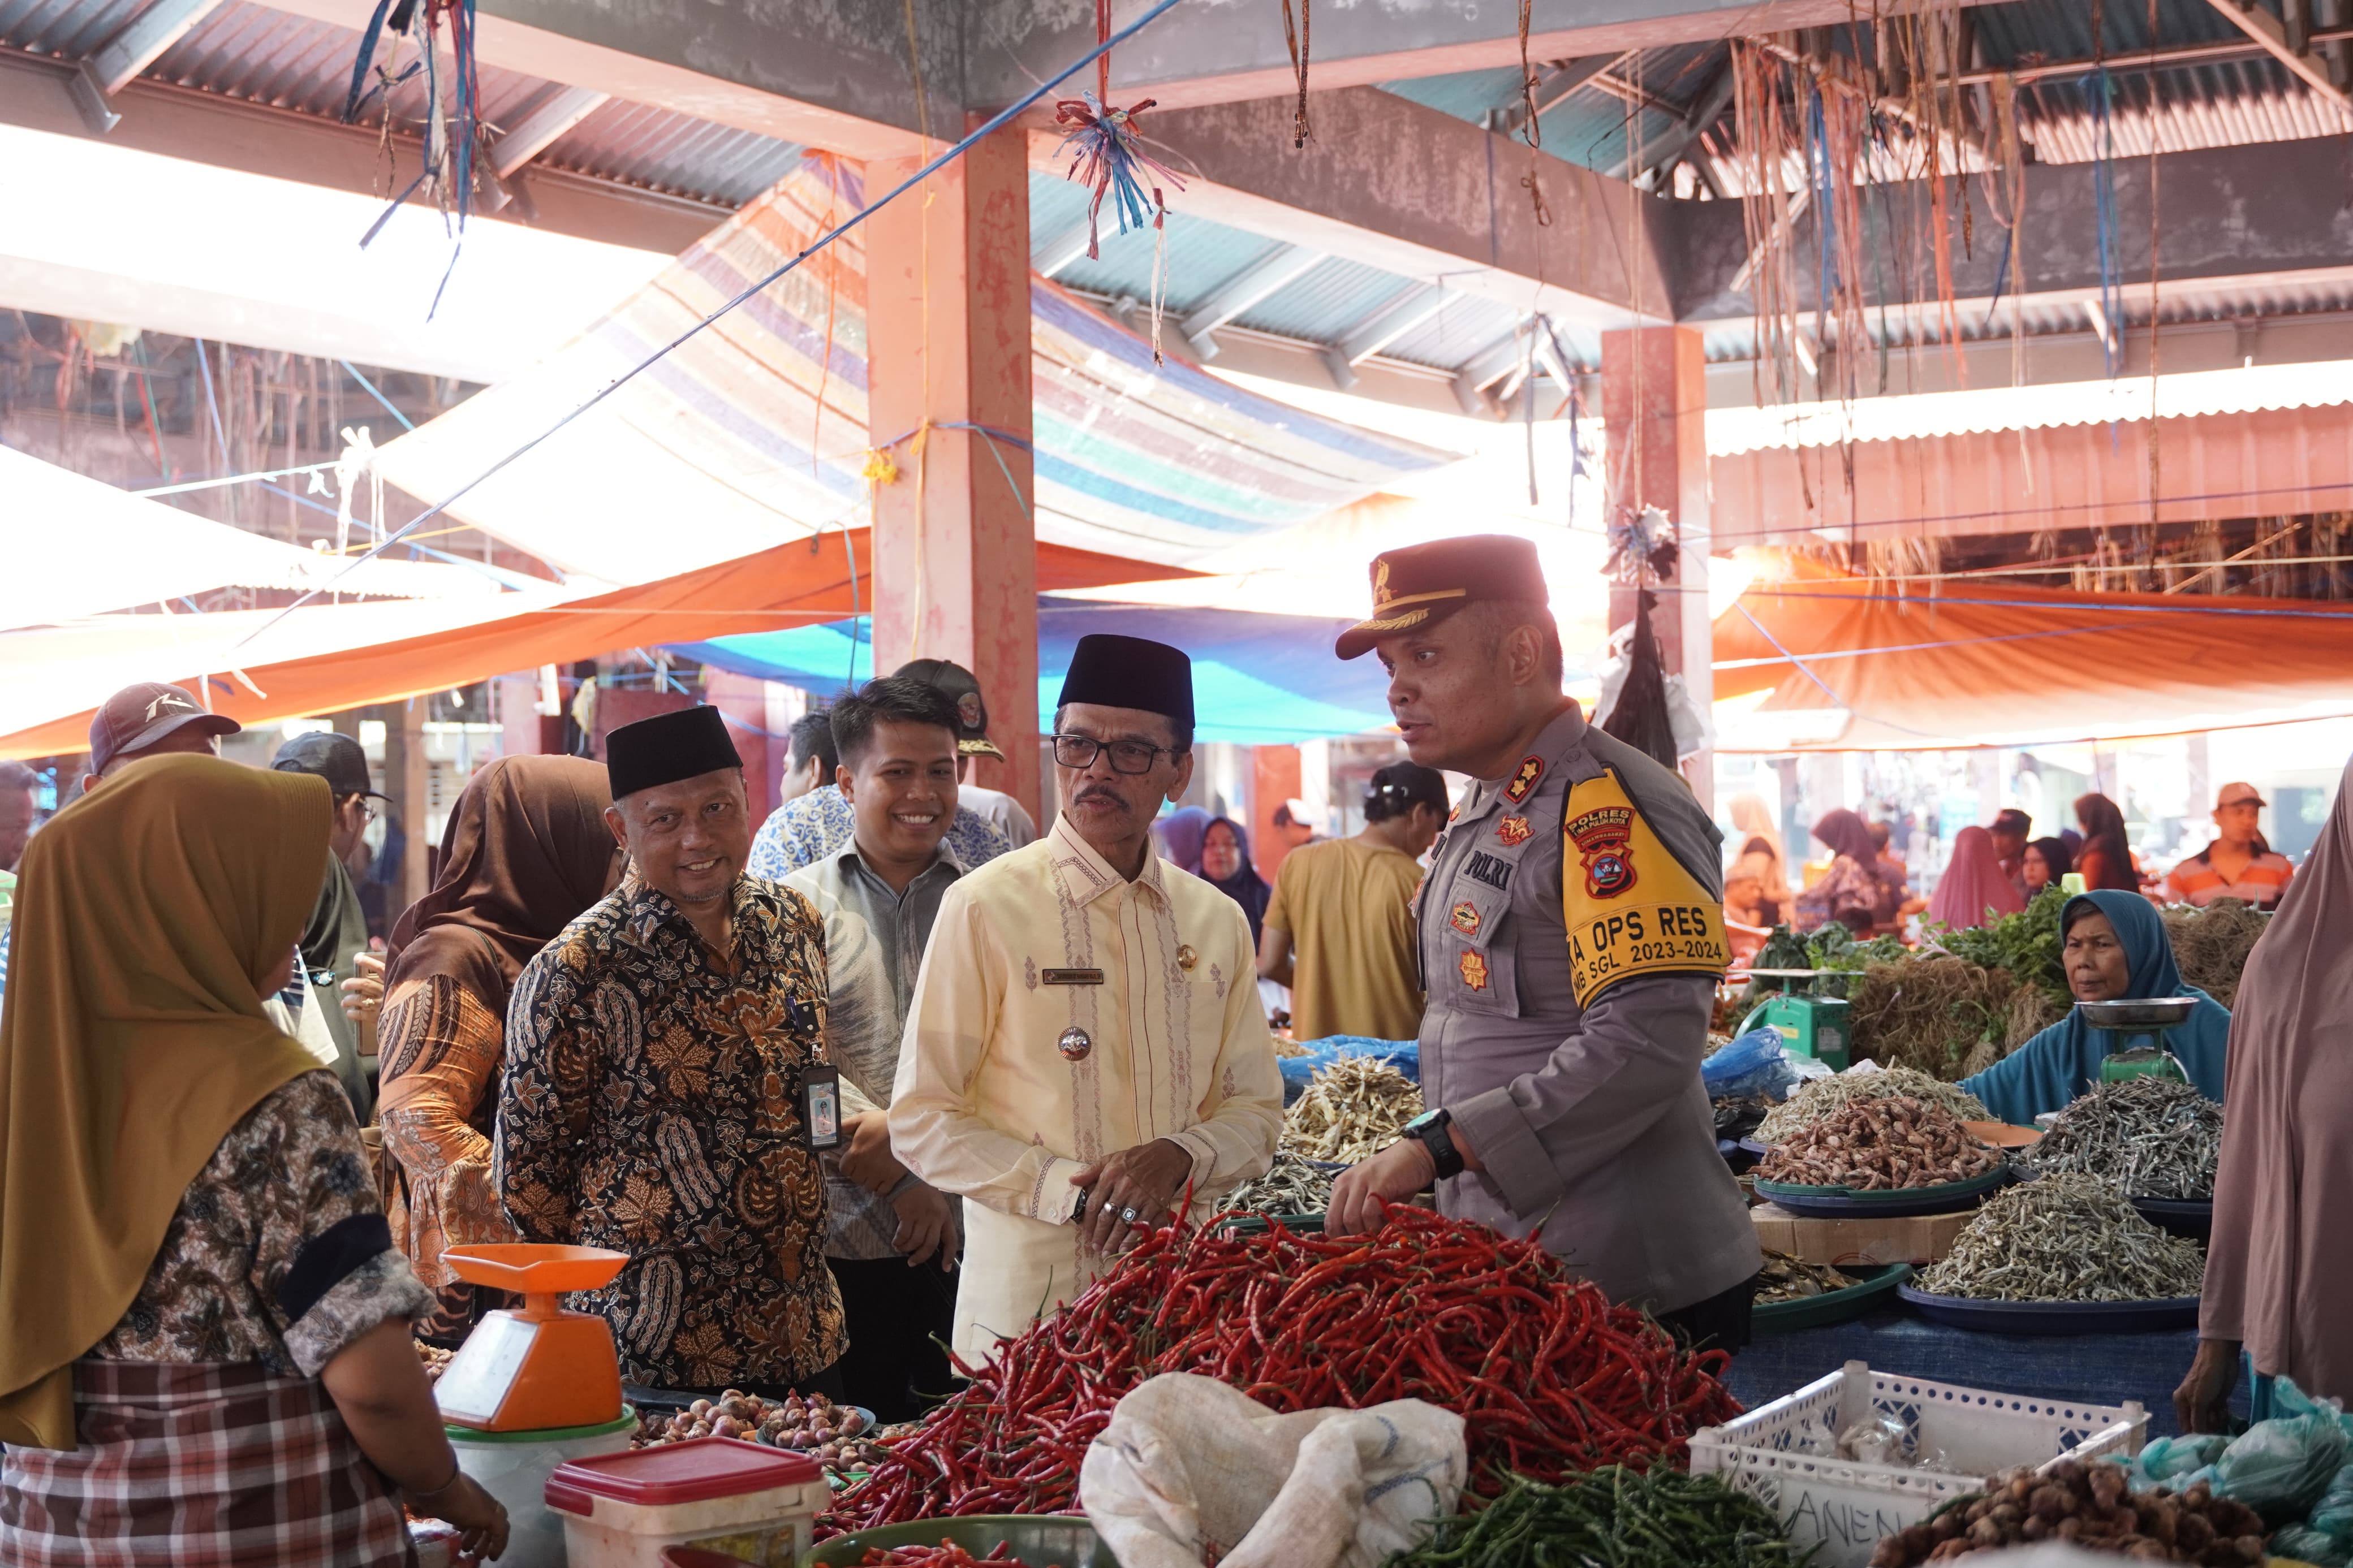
(2150, 1021)
(1813, 1027)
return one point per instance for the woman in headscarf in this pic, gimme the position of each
(1973, 887)
(2107, 860)
(1226, 866)
(2043, 862)
(525, 851)
(1180, 837)
(205, 1358)
(1758, 854)
(1852, 892)
(2278, 1279)
(2115, 949)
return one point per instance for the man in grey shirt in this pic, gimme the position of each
(891, 1240)
(1571, 934)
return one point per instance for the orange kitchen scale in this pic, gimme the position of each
(537, 1367)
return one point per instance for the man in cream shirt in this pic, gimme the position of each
(1085, 1044)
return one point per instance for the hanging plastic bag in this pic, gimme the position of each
(2280, 1467)
(1191, 1471)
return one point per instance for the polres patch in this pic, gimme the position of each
(1604, 837)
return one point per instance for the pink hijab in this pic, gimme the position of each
(2278, 1273)
(1973, 885)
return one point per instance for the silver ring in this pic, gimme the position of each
(1127, 1216)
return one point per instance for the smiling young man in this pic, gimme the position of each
(1084, 1044)
(651, 1098)
(1571, 933)
(891, 1240)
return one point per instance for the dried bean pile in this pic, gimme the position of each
(1626, 1519)
(1877, 1145)
(1294, 1186)
(2151, 1137)
(1351, 1111)
(2065, 1239)
(835, 1435)
(2088, 1507)
(1826, 1097)
(1552, 1377)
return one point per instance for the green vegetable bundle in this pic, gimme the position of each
(2026, 944)
(1626, 1519)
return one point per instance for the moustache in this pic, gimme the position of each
(1102, 793)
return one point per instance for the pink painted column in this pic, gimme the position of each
(947, 338)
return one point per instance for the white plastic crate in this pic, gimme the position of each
(1780, 1452)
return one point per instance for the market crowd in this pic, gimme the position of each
(234, 1143)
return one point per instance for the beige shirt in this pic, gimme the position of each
(1348, 906)
(985, 1105)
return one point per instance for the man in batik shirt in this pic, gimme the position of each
(651, 1100)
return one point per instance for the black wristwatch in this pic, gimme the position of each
(1431, 1128)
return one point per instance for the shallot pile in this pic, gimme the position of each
(1878, 1145)
(2089, 1507)
(833, 1435)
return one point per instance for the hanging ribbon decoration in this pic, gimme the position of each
(453, 129)
(1107, 154)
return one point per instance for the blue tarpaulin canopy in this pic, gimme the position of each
(1258, 680)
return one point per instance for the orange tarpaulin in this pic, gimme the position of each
(64, 673)
(1843, 664)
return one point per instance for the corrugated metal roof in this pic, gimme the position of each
(69, 28)
(633, 144)
(1465, 327)
(1323, 303)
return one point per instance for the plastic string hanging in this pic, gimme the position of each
(453, 127)
(1107, 152)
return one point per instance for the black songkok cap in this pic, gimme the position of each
(667, 747)
(1112, 671)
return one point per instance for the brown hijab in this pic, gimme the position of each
(2278, 1274)
(148, 915)
(526, 850)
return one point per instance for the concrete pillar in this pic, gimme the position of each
(1655, 412)
(947, 342)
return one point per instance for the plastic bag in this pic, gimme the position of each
(2280, 1467)
(1754, 1063)
(2333, 1514)
(2167, 1461)
(2303, 1544)
(1190, 1468)
(2287, 1399)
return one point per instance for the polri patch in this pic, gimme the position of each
(1604, 837)
(1465, 918)
(1511, 832)
(1485, 867)
(1524, 780)
(1473, 966)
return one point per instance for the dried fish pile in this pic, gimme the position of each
(1787, 1278)
(2067, 1237)
(1294, 1186)
(1351, 1111)
(1828, 1096)
(2150, 1137)
(1877, 1145)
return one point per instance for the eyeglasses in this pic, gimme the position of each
(1075, 752)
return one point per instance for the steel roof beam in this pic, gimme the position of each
(1251, 287)
(2292, 46)
(555, 113)
(138, 46)
(1385, 326)
(1060, 250)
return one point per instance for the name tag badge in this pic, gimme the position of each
(1072, 976)
(822, 1107)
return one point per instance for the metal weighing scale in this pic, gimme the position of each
(2150, 1020)
(538, 1367)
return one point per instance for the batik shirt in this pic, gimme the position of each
(651, 1103)
(804, 831)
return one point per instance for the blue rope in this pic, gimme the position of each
(996, 123)
(370, 387)
(2104, 203)
(1825, 219)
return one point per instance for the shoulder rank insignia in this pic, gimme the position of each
(1511, 832)
(1524, 780)
(1465, 918)
(1474, 969)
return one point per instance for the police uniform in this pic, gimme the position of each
(1571, 933)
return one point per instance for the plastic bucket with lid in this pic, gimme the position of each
(513, 1467)
(755, 1503)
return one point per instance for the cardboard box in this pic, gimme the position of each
(1917, 1239)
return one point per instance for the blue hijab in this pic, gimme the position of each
(2063, 1062)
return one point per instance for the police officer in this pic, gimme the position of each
(1571, 934)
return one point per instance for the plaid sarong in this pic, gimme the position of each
(198, 1466)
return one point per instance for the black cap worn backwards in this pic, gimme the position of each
(1112, 671)
(683, 744)
(338, 759)
(961, 686)
(1421, 584)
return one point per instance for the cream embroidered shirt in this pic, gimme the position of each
(987, 1106)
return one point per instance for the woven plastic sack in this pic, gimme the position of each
(2280, 1467)
(1191, 1471)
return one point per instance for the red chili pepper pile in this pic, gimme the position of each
(947, 1554)
(1551, 1376)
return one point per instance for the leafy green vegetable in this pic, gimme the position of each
(2026, 944)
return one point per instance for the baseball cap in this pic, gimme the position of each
(961, 686)
(1421, 584)
(336, 758)
(136, 716)
(2237, 793)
